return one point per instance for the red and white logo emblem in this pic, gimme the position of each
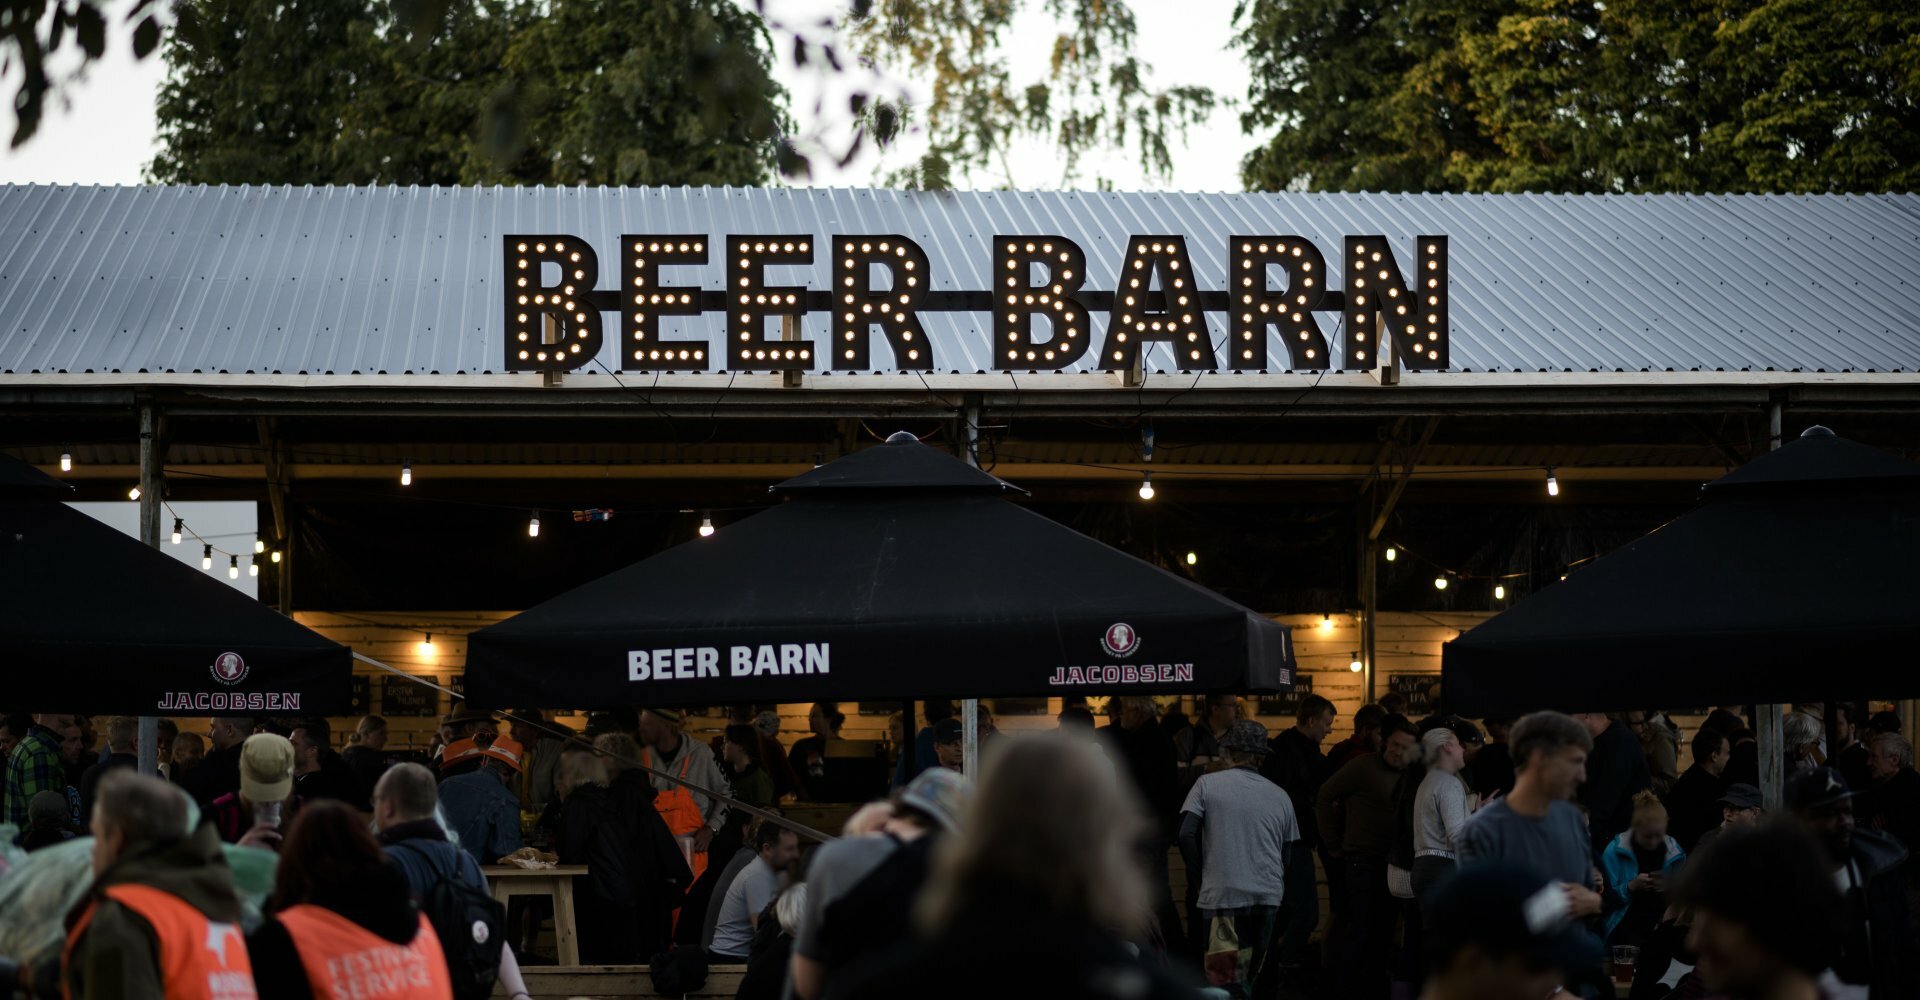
(229, 668)
(1120, 639)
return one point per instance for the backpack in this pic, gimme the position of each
(470, 923)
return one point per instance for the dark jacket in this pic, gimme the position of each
(1355, 809)
(419, 850)
(1297, 766)
(116, 956)
(333, 780)
(217, 774)
(1491, 772)
(1616, 769)
(1693, 805)
(1896, 807)
(1852, 764)
(91, 780)
(380, 902)
(367, 765)
(634, 881)
(767, 959)
(1149, 757)
(1884, 955)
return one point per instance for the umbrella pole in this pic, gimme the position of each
(970, 707)
(1767, 718)
(147, 754)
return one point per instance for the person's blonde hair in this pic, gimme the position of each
(578, 769)
(1049, 825)
(618, 752)
(369, 724)
(1647, 804)
(790, 906)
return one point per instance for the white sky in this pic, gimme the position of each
(225, 524)
(101, 130)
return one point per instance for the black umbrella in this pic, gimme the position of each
(894, 573)
(1793, 580)
(93, 621)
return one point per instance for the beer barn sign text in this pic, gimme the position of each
(555, 313)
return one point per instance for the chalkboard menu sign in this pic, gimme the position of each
(1414, 688)
(1287, 704)
(360, 695)
(402, 697)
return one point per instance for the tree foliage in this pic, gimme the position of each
(624, 92)
(1582, 95)
(34, 32)
(1096, 93)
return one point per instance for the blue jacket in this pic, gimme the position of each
(1619, 866)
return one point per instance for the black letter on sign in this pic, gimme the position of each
(859, 306)
(1016, 301)
(1169, 314)
(1416, 313)
(643, 301)
(550, 327)
(1254, 307)
(750, 302)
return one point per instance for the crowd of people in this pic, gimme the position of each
(1504, 858)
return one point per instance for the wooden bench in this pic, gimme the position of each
(617, 982)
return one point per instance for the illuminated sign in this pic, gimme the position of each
(1042, 312)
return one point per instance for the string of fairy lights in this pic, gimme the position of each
(1444, 578)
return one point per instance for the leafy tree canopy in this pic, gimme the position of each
(1583, 95)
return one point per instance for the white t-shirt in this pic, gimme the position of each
(1246, 824)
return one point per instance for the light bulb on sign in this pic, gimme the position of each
(276, 555)
(533, 525)
(706, 527)
(1146, 486)
(1439, 583)
(253, 567)
(206, 558)
(176, 530)
(133, 494)
(1499, 592)
(1393, 552)
(406, 473)
(1553, 483)
(1354, 664)
(259, 547)
(66, 461)
(233, 567)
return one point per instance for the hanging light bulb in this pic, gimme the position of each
(406, 473)
(176, 530)
(134, 494)
(1193, 558)
(1326, 623)
(1553, 484)
(259, 547)
(233, 567)
(66, 461)
(206, 557)
(1353, 663)
(1499, 592)
(276, 557)
(1393, 552)
(706, 527)
(426, 645)
(1146, 486)
(1440, 582)
(253, 567)
(533, 525)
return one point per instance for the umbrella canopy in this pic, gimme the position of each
(893, 573)
(1791, 581)
(95, 622)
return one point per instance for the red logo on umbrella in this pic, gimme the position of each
(1120, 639)
(229, 668)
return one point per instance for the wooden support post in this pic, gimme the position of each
(970, 707)
(147, 753)
(1767, 718)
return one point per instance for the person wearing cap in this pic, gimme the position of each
(948, 745)
(477, 798)
(1693, 801)
(1357, 814)
(1497, 934)
(468, 723)
(1877, 947)
(1740, 805)
(162, 916)
(688, 812)
(862, 889)
(1237, 830)
(48, 822)
(265, 803)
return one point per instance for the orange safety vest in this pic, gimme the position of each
(200, 959)
(344, 959)
(678, 810)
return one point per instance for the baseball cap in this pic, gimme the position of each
(48, 808)
(939, 793)
(948, 731)
(1741, 795)
(1489, 907)
(1246, 736)
(266, 768)
(1815, 788)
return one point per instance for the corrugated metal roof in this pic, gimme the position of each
(366, 280)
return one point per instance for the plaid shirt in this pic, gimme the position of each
(35, 767)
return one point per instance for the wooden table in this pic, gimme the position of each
(509, 881)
